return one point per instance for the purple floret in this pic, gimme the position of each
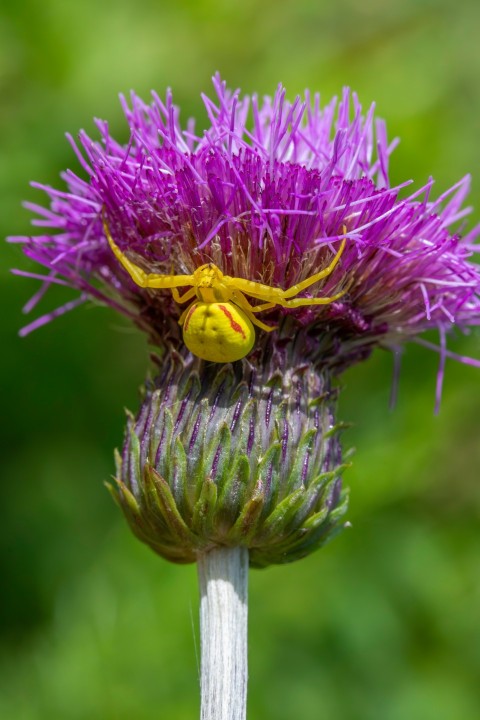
(266, 193)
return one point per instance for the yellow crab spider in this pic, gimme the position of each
(218, 323)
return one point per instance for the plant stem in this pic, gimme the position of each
(223, 579)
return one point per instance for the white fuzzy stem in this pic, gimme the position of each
(223, 579)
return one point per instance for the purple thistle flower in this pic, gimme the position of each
(265, 193)
(248, 454)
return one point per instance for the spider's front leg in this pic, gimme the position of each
(295, 289)
(139, 276)
(276, 296)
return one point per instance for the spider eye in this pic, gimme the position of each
(219, 332)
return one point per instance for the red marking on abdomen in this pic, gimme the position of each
(234, 325)
(189, 315)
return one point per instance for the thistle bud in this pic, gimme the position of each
(243, 454)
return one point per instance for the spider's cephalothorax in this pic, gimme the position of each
(218, 323)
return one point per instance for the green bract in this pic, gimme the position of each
(234, 455)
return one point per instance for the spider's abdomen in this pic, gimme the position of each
(219, 332)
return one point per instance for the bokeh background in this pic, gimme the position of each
(384, 622)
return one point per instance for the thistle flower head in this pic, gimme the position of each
(291, 196)
(265, 193)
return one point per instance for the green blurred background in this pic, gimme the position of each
(383, 623)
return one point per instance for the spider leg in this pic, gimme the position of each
(139, 276)
(257, 290)
(264, 306)
(182, 317)
(276, 296)
(295, 289)
(298, 302)
(240, 300)
(254, 309)
(183, 298)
